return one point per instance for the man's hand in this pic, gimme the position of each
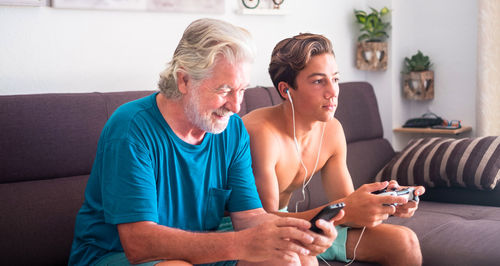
(323, 241)
(406, 210)
(366, 209)
(278, 238)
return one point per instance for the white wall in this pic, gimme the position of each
(446, 31)
(59, 50)
(44, 50)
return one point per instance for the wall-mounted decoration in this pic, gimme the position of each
(205, 6)
(253, 4)
(418, 79)
(21, 2)
(264, 7)
(371, 55)
(372, 52)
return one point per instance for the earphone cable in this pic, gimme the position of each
(304, 183)
(297, 147)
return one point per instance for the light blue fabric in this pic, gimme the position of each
(337, 251)
(226, 225)
(144, 172)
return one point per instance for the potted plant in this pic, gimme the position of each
(371, 52)
(418, 78)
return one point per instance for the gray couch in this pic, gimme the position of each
(48, 144)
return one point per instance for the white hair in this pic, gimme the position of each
(202, 42)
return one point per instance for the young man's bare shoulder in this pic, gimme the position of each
(263, 126)
(334, 126)
(262, 120)
(334, 133)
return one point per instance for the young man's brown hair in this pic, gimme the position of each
(292, 54)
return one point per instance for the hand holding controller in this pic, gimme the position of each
(408, 193)
(327, 213)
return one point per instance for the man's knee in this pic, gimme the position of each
(410, 238)
(408, 243)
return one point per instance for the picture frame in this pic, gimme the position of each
(206, 6)
(21, 2)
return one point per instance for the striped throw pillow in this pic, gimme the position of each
(444, 162)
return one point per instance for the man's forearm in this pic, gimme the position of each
(147, 241)
(246, 219)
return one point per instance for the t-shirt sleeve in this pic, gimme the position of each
(128, 183)
(241, 180)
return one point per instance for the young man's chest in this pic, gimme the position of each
(292, 170)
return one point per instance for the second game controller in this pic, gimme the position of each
(408, 193)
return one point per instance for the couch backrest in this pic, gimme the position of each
(53, 135)
(47, 147)
(258, 97)
(48, 143)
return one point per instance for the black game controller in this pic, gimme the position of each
(408, 193)
(327, 213)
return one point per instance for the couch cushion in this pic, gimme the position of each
(49, 135)
(37, 220)
(258, 97)
(365, 158)
(358, 112)
(455, 234)
(115, 99)
(443, 162)
(53, 135)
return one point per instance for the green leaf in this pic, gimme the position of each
(360, 12)
(380, 34)
(379, 27)
(384, 11)
(371, 21)
(363, 37)
(361, 18)
(372, 24)
(418, 62)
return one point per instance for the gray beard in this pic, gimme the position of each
(204, 120)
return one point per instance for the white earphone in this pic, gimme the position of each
(297, 147)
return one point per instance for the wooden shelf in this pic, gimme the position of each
(429, 130)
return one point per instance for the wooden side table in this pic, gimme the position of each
(429, 130)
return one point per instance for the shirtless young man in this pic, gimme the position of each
(306, 75)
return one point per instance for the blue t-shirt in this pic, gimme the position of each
(144, 172)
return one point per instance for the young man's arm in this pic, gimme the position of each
(263, 147)
(362, 207)
(272, 238)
